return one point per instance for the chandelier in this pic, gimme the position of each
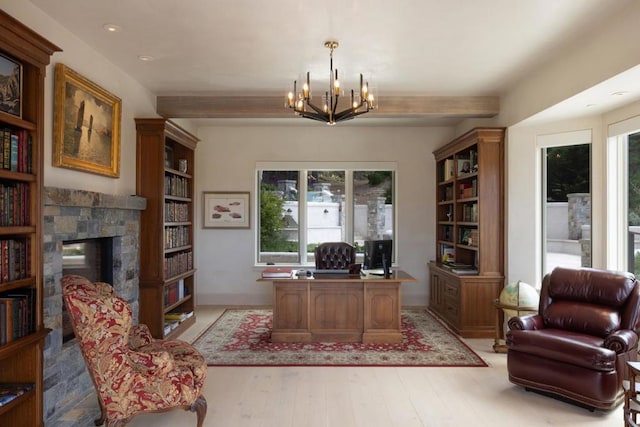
(361, 102)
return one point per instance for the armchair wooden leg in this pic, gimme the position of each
(200, 408)
(103, 416)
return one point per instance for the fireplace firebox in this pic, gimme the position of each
(91, 258)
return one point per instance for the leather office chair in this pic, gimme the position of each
(131, 371)
(579, 343)
(335, 256)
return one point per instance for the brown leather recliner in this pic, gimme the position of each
(578, 344)
(334, 256)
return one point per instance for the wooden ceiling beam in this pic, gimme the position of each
(189, 107)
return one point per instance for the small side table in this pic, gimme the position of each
(498, 345)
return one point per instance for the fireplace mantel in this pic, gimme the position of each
(54, 196)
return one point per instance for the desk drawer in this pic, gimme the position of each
(451, 290)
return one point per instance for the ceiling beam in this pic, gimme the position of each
(189, 107)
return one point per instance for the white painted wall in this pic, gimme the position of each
(136, 101)
(226, 159)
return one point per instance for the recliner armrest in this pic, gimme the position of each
(621, 341)
(529, 322)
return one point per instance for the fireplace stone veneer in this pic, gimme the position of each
(75, 215)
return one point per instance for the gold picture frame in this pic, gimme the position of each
(86, 125)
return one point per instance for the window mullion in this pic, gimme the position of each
(302, 215)
(348, 206)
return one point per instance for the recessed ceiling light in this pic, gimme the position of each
(145, 58)
(112, 28)
(621, 93)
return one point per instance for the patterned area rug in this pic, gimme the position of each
(242, 338)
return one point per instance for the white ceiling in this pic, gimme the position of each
(246, 47)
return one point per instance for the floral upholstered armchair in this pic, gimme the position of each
(132, 372)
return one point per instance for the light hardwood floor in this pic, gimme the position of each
(373, 397)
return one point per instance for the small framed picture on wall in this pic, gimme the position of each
(226, 209)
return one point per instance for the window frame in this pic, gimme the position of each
(544, 142)
(302, 168)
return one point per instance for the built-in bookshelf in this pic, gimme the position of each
(22, 331)
(165, 177)
(468, 273)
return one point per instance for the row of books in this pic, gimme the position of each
(17, 314)
(15, 259)
(11, 391)
(470, 212)
(176, 212)
(446, 194)
(174, 292)
(447, 233)
(14, 204)
(175, 237)
(16, 150)
(468, 189)
(178, 263)
(176, 186)
(172, 320)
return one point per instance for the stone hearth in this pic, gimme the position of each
(74, 215)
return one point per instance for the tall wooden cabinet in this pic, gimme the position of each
(22, 331)
(468, 273)
(165, 177)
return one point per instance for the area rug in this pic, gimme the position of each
(242, 338)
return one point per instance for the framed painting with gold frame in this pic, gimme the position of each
(86, 125)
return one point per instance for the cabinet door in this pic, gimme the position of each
(290, 306)
(382, 306)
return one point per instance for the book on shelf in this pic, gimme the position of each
(277, 272)
(15, 150)
(448, 170)
(10, 391)
(456, 265)
(17, 314)
(464, 271)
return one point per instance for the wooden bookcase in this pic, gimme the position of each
(469, 231)
(22, 338)
(167, 276)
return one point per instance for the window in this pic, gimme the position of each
(566, 200)
(623, 196)
(301, 208)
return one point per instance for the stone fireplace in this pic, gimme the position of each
(72, 216)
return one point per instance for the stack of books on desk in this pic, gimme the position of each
(277, 273)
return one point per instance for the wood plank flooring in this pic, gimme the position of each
(373, 397)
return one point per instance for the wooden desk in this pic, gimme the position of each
(338, 308)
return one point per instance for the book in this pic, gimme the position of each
(277, 272)
(10, 391)
(13, 153)
(464, 271)
(448, 170)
